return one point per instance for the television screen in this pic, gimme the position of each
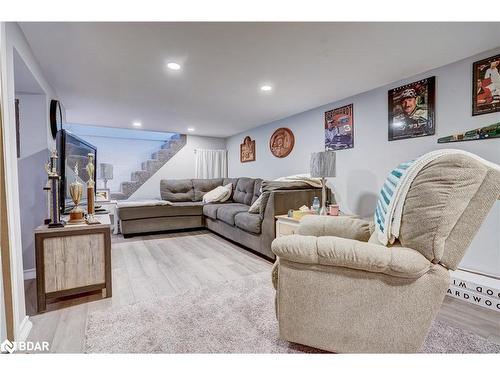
(73, 152)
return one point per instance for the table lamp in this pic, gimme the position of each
(105, 173)
(323, 166)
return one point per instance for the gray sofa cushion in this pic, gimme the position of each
(229, 211)
(248, 222)
(210, 209)
(244, 191)
(177, 190)
(202, 186)
(175, 209)
(256, 189)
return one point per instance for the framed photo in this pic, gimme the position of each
(412, 110)
(486, 86)
(102, 195)
(247, 150)
(339, 128)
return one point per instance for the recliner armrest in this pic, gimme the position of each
(341, 252)
(338, 226)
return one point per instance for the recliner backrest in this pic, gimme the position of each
(447, 202)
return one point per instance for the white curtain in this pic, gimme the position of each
(211, 163)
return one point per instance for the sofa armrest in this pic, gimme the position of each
(338, 226)
(278, 202)
(341, 252)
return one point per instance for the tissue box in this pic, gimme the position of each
(298, 214)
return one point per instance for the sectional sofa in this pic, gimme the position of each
(230, 219)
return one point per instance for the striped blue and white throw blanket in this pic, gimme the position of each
(393, 193)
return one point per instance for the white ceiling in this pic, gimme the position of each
(24, 81)
(114, 73)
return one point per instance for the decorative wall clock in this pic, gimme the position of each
(55, 117)
(247, 150)
(282, 142)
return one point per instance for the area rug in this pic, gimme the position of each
(233, 317)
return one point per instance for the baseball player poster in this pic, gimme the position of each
(411, 110)
(486, 86)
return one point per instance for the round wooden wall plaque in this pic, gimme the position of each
(282, 142)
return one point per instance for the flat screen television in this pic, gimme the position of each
(73, 150)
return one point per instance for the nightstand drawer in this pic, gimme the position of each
(285, 229)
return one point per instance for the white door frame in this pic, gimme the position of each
(21, 322)
(3, 322)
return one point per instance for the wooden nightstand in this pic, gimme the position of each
(111, 206)
(72, 260)
(286, 225)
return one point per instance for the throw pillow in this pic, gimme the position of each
(219, 194)
(255, 207)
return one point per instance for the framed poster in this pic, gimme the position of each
(412, 110)
(486, 86)
(247, 150)
(339, 128)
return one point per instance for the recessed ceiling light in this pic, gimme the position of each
(136, 124)
(190, 129)
(266, 88)
(173, 66)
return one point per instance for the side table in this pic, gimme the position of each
(72, 260)
(288, 225)
(111, 207)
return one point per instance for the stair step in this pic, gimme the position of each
(149, 167)
(140, 176)
(128, 187)
(152, 165)
(118, 195)
(163, 155)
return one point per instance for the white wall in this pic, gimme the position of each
(362, 170)
(126, 156)
(182, 165)
(13, 38)
(31, 171)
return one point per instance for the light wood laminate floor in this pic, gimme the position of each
(147, 267)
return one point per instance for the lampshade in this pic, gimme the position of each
(322, 164)
(105, 171)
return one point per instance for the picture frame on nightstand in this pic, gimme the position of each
(102, 195)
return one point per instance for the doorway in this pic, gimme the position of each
(32, 153)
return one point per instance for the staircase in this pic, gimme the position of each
(150, 167)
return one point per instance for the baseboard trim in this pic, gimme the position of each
(24, 329)
(30, 274)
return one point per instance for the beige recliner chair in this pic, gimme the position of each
(339, 290)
